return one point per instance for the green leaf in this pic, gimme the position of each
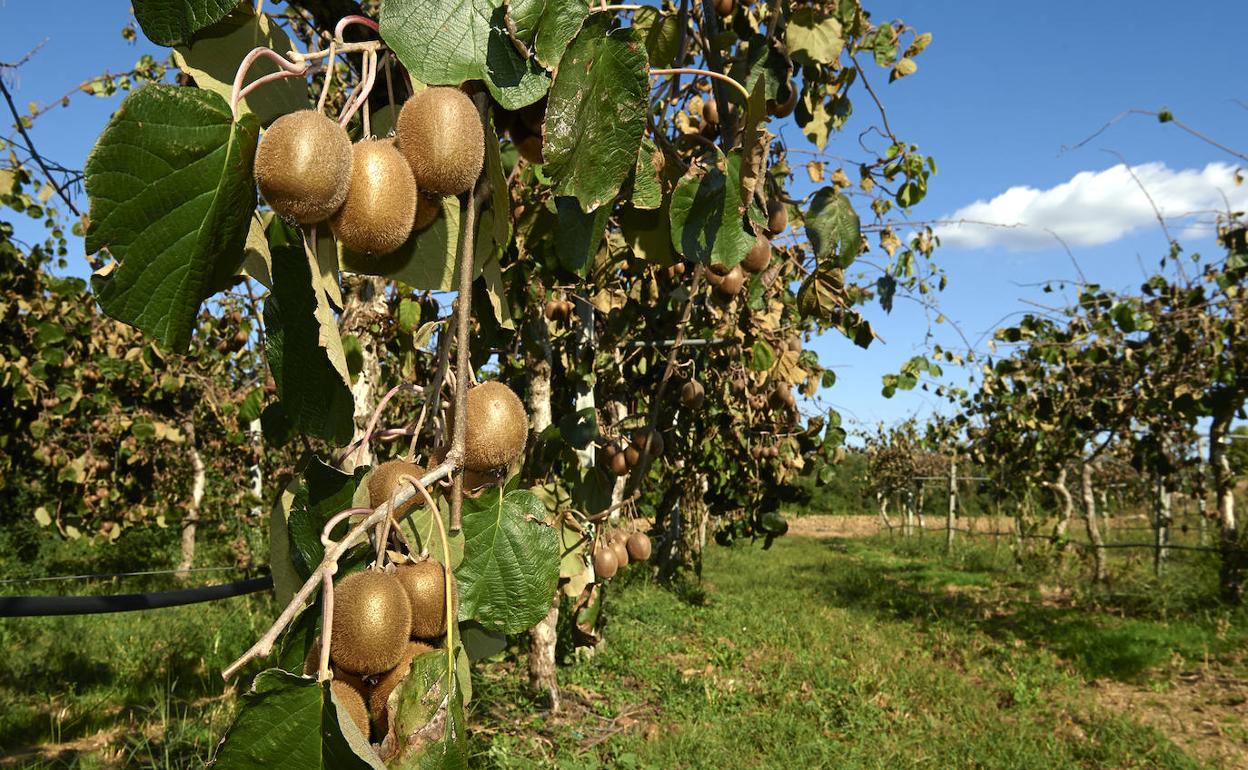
(249, 410)
(706, 215)
(648, 233)
(429, 260)
(511, 561)
(822, 294)
(561, 20)
(304, 350)
(762, 357)
(215, 55)
(276, 427)
(421, 695)
(812, 39)
(579, 428)
(904, 67)
(525, 17)
(286, 579)
(647, 188)
(833, 229)
(171, 193)
(761, 62)
(662, 35)
(171, 22)
(290, 722)
(579, 235)
(323, 492)
(447, 42)
(597, 113)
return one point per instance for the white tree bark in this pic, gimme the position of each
(190, 519)
(1100, 571)
(364, 302)
(951, 518)
(543, 672)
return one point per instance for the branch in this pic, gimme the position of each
(30, 145)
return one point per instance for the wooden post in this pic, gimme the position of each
(1094, 531)
(543, 672)
(1231, 577)
(1161, 525)
(951, 519)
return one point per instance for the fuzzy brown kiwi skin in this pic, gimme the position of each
(380, 207)
(439, 132)
(759, 257)
(638, 545)
(732, 283)
(605, 563)
(498, 427)
(379, 693)
(692, 394)
(777, 217)
(425, 585)
(303, 166)
(351, 700)
(428, 207)
(621, 552)
(372, 620)
(386, 480)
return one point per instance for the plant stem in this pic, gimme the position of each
(707, 73)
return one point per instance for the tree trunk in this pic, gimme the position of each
(908, 508)
(1161, 525)
(364, 303)
(1100, 571)
(190, 519)
(1060, 488)
(918, 510)
(543, 674)
(951, 517)
(1231, 578)
(882, 499)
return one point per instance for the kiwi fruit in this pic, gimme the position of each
(439, 132)
(795, 344)
(621, 552)
(785, 108)
(372, 620)
(351, 700)
(632, 456)
(692, 394)
(617, 463)
(638, 545)
(710, 112)
(730, 285)
(379, 693)
(428, 207)
(380, 208)
(498, 427)
(552, 310)
(605, 563)
(425, 585)
(777, 217)
(385, 481)
(724, 7)
(649, 437)
(759, 257)
(303, 166)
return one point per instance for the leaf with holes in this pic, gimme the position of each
(597, 113)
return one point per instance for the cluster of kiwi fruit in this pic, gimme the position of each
(382, 619)
(619, 459)
(616, 549)
(759, 452)
(559, 309)
(376, 192)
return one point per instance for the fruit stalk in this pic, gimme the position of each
(289, 69)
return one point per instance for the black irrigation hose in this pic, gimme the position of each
(30, 606)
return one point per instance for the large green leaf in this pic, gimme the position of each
(286, 579)
(525, 16)
(813, 39)
(662, 35)
(511, 561)
(579, 235)
(322, 493)
(171, 193)
(304, 350)
(289, 721)
(706, 220)
(597, 113)
(214, 57)
(447, 42)
(832, 227)
(172, 22)
(561, 20)
(761, 62)
(647, 188)
(426, 744)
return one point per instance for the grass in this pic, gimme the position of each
(851, 654)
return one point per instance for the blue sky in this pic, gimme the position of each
(1002, 89)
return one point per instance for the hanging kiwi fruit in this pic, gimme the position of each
(387, 479)
(692, 394)
(372, 620)
(498, 427)
(759, 257)
(440, 134)
(424, 582)
(605, 564)
(638, 545)
(620, 550)
(777, 217)
(303, 166)
(380, 208)
(351, 700)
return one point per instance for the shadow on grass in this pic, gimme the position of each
(995, 603)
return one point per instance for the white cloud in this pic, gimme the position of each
(1097, 207)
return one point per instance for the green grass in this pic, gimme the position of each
(848, 654)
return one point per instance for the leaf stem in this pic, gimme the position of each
(707, 73)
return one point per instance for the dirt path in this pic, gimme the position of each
(866, 526)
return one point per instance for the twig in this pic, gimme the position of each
(264, 645)
(287, 69)
(30, 146)
(707, 73)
